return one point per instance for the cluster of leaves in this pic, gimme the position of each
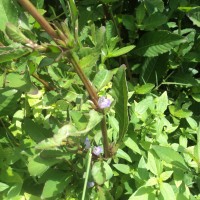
(46, 115)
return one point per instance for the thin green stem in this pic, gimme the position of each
(105, 136)
(87, 173)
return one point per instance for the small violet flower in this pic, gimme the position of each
(103, 102)
(87, 143)
(90, 184)
(97, 150)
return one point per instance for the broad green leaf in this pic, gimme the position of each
(9, 99)
(120, 94)
(8, 13)
(101, 172)
(55, 186)
(10, 53)
(154, 43)
(162, 103)
(119, 52)
(154, 164)
(131, 144)
(37, 166)
(14, 190)
(127, 21)
(34, 130)
(166, 175)
(194, 16)
(142, 106)
(154, 68)
(89, 61)
(153, 21)
(8, 175)
(122, 168)
(144, 89)
(79, 119)
(122, 154)
(143, 193)
(18, 81)
(69, 130)
(94, 119)
(3, 186)
(196, 97)
(154, 5)
(170, 156)
(102, 78)
(179, 112)
(167, 191)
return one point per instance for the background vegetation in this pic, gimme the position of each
(100, 100)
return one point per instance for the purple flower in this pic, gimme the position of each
(97, 150)
(87, 143)
(103, 102)
(90, 184)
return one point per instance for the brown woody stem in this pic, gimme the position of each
(39, 18)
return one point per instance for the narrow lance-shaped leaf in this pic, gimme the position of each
(154, 43)
(121, 51)
(120, 93)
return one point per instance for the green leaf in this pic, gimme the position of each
(9, 99)
(122, 168)
(102, 78)
(153, 21)
(194, 16)
(119, 52)
(34, 130)
(143, 193)
(122, 154)
(3, 186)
(162, 103)
(140, 13)
(154, 43)
(15, 34)
(131, 144)
(120, 93)
(8, 13)
(166, 175)
(154, 68)
(179, 112)
(167, 191)
(144, 89)
(37, 166)
(170, 156)
(104, 194)
(55, 185)
(14, 190)
(21, 82)
(101, 172)
(154, 164)
(10, 53)
(154, 5)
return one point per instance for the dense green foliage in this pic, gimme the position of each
(142, 56)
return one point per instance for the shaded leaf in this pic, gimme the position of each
(120, 93)
(154, 43)
(194, 16)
